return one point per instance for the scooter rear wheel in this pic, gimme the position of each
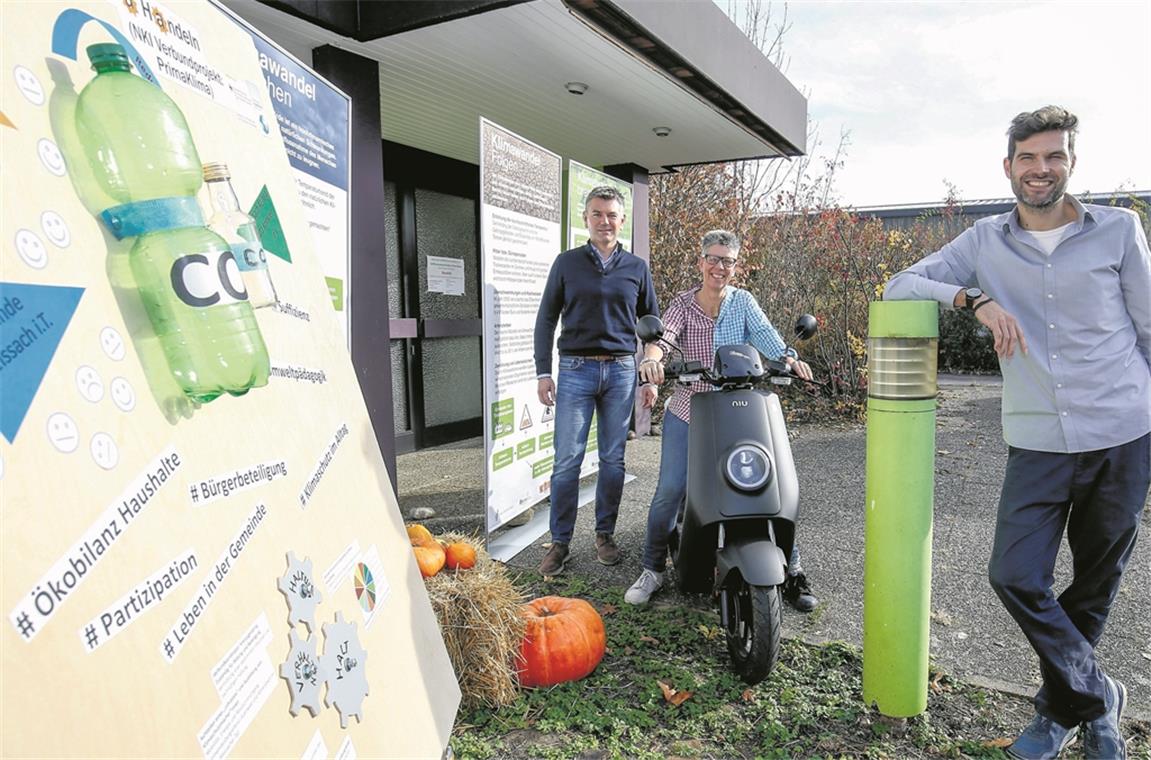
(753, 629)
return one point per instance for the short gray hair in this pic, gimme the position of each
(606, 193)
(728, 240)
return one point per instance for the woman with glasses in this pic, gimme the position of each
(713, 314)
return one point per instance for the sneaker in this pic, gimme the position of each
(648, 583)
(555, 560)
(605, 549)
(1102, 737)
(1043, 739)
(798, 593)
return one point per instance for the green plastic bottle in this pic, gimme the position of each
(141, 153)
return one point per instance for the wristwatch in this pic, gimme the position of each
(972, 295)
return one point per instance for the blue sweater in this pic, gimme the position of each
(599, 308)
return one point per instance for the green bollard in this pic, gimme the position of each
(902, 350)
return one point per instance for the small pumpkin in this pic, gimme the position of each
(418, 535)
(460, 556)
(430, 558)
(564, 641)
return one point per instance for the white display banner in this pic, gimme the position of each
(520, 201)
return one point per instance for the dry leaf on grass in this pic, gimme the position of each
(649, 639)
(674, 696)
(998, 743)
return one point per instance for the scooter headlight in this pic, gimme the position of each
(748, 468)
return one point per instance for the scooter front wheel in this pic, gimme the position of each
(753, 629)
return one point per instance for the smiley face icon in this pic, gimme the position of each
(28, 85)
(62, 432)
(112, 343)
(104, 451)
(51, 157)
(31, 249)
(89, 384)
(122, 394)
(55, 229)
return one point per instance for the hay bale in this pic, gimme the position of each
(478, 612)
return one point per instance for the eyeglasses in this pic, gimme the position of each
(727, 262)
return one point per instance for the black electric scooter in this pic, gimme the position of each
(735, 532)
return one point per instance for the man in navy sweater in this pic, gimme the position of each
(600, 290)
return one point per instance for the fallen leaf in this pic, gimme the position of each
(674, 696)
(747, 695)
(937, 685)
(649, 639)
(944, 451)
(941, 616)
(998, 743)
(608, 609)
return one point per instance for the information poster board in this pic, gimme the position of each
(520, 209)
(581, 180)
(314, 118)
(201, 554)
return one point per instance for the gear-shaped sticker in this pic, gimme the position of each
(304, 673)
(344, 662)
(298, 588)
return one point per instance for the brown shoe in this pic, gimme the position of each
(606, 550)
(554, 561)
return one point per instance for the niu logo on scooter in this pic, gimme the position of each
(739, 402)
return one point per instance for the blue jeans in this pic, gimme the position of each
(606, 388)
(1099, 497)
(670, 492)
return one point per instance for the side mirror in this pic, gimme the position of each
(649, 328)
(806, 326)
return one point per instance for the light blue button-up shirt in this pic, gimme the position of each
(1085, 312)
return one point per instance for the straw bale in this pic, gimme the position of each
(479, 615)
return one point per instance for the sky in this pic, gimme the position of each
(926, 90)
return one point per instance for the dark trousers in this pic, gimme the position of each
(1098, 496)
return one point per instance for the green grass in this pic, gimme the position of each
(810, 706)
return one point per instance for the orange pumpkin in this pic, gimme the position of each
(461, 556)
(418, 535)
(564, 641)
(430, 559)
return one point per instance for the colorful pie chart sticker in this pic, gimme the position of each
(365, 587)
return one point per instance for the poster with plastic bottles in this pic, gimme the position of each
(191, 495)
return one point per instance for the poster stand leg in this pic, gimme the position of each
(506, 544)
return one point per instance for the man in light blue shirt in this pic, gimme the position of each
(1065, 289)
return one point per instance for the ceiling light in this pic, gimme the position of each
(661, 131)
(576, 88)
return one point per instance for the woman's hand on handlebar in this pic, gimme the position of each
(651, 371)
(800, 369)
(648, 394)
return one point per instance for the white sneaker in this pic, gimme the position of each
(647, 584)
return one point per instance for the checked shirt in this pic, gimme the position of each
(740, 320)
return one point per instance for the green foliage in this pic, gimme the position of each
(965, 345)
